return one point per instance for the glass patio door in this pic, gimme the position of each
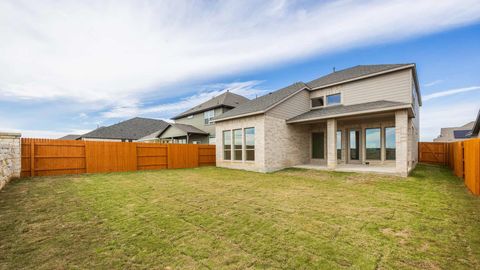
(354, 145)
(318, 145)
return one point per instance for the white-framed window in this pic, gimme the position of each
(339, 144)
(208, 117)
(249, 135)
(390, 143)
(237, 144)
(190, 116)
(334, 99)
(373, 145)
(227, 145)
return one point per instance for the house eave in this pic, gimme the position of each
(183, 115)
(350, 114)
(265, 110)
(365, 76)
(239, 116)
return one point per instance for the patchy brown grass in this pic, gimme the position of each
(218, 218)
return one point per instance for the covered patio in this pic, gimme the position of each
(358, 168)
(358, 138)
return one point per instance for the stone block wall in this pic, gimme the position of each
(285, 145)
(10, 157)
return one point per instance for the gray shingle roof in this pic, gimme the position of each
(334, 111)
(259, 105)
(70, 137)
(227, 99)
(189, 129)
(132, 129)
(264, 102)
(186, 128)
(351, 73)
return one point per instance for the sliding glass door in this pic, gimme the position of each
(354, 145)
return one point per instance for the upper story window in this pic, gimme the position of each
(317, 102)
(334, 99)
(208, 117)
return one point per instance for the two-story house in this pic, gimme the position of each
(196, 124)
(364, 118)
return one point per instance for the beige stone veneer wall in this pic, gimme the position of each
(286, 145)
(10, 157)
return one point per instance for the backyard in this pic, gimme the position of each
(218, 218)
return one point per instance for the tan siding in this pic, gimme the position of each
(198, 122)
(296, 105)
(396, 86)
(172, 132)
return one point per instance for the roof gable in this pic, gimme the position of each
(263, 103)
(227, 99)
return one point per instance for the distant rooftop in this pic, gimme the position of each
(227, 99)
(132, 129)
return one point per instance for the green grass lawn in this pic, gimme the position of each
(219, 218)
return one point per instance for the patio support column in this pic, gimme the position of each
(331, 143)
(401, 142)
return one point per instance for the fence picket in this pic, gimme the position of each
(42, 157)
(462, 157)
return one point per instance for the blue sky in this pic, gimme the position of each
(67, 67)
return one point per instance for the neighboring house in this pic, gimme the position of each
(361, 116)
(127, 131)
(476, 127)
(70, 137)
(196, 124)
(453, 134)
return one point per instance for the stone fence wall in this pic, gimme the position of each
(10, 157)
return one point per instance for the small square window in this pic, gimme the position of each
(317, 102)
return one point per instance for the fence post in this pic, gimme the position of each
(169, 155)
(32, 158)
(85, 158)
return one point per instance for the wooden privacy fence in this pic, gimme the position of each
(462, 157)
(42, 157)
(434, 153)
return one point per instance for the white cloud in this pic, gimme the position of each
(450, 92)
(109, 52)
(133, 107)
(432, 118)
(433, 83)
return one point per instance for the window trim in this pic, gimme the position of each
(241, 144)
(223, 144)
(385, 143)
(210, 118)
(315, 107)
(334, 104)
(365, 144)
(245, 144)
